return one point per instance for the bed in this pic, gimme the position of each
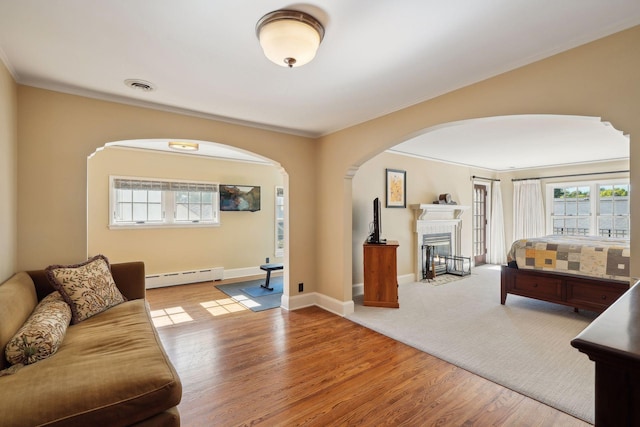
(583, 272)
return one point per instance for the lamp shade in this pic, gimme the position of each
(289, 38)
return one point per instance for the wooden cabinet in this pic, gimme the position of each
(381, 275)
(612, 341)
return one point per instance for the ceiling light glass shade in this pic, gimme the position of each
(184, 146)
(289, 38)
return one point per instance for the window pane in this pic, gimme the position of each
(207, 212)
(621, 206)
(155, 212)
(559, 207)
(194, 197)
(155, 196)
(123, 195)
(139, 195)
(182, 212)
(139, 211)
(207, 197)
(182, 196)
(123, 212)
(621, 223)
(570, 223)
(194, 212)
(606, 222)
(606, 206)
(584, 206)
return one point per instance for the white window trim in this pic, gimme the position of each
(168, 220)
(593, 199)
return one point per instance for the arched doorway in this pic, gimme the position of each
(441, 170)
(233, 248)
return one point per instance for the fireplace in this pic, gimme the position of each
(436, 248)
(442, 223)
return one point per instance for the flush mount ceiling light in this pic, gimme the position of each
(184, 146)
(289, 38)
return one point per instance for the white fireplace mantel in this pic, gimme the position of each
(426, 211)
(437, 218)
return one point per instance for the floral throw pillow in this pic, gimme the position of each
(42, 333)
(88, 287)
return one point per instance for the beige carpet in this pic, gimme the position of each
(523, 345)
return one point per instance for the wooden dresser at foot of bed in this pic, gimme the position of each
(574, 291)
(612, 341)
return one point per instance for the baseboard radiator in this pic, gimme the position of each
(184, 277)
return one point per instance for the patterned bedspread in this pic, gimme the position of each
(603, 258)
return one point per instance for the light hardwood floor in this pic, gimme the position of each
(311, 367)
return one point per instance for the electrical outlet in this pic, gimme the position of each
(300, 287)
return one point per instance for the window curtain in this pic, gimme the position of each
(528, 209)
(497, 253)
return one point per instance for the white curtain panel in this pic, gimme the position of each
(497, 253)
(528, 209)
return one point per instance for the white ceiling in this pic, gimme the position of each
(520, 142)
(377, 56)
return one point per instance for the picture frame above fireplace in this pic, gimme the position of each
(396, 183)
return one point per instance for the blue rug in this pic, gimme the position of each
(252, 296)
(259, 291)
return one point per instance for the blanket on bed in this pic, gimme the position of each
(600, 257)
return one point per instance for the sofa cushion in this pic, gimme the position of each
(17, 301)
(110, 370)
(42, 333)
(87, 287)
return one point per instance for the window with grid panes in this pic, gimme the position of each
(613, 210)
(589, 208)
(136, 202)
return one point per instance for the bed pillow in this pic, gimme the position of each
(42, 333)
(88, 287)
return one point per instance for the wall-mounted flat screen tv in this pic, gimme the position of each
(239, 198)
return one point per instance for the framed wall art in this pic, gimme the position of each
(396, 181)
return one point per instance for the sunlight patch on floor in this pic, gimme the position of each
(170, 316)
(224, 306)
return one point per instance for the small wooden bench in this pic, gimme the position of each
(269, 268)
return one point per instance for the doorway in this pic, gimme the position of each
(479, 224)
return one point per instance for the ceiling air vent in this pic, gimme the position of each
(139, 85)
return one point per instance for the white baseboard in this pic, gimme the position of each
(357, 289)
(243, 272)
(341, 308)
(183, 277)
(216, 273)
(407, 278)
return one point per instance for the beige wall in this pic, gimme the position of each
(597, 79)
(8, 174)
(425, 181)
(57, 132)
(243, 239)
